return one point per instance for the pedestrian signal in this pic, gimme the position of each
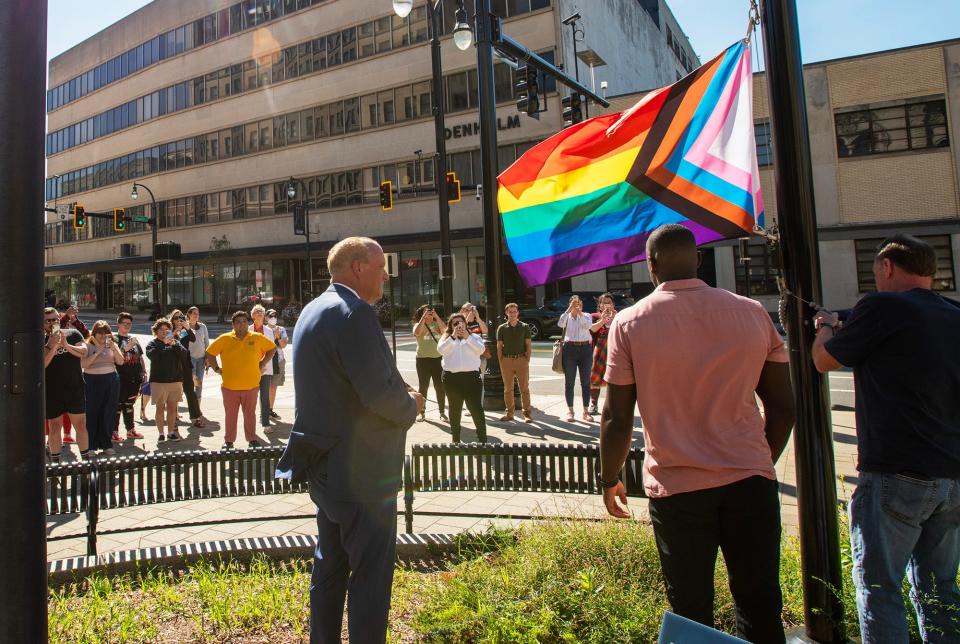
(386, 195)
(572, 112)
(119, 224)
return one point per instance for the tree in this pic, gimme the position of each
(218, 249)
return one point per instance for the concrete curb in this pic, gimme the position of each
(74, 569)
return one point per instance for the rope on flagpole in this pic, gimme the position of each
(753, 19)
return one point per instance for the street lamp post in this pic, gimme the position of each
(462, 38)
(158, 291)
(292, 183)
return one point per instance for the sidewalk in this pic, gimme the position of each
(547, 428)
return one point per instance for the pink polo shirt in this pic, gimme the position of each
(695, 354)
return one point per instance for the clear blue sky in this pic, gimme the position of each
(829, 28)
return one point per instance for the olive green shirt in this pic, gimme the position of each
(427, 344)
(514, 338)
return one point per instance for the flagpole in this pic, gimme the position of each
(800, 263)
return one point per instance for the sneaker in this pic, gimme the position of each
(527, 418)
(174, 436)
(143, 419)
(198, 422)
(444, 418)
(87, 456)
(161, 438)
(421, 418)
(133, 433)
(54, 458)
(68, 439)
(274, 415)
(227, 446)
(593, 411)
(116, 437)
(254, 443)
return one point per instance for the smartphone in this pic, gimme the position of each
(55, 328)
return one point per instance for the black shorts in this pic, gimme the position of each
(65, 400)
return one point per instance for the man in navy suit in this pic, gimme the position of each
(353, 410)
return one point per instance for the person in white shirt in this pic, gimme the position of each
(257, 314)
(461, 351)
(198, 349)
(577, 355)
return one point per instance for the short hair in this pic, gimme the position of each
(347, 251)
(50, 309)
(239, 314)
(668, 238)
(192, 309)
(159, 323)
(258, 308)
(909, 253)
(509, 304)
(124, 316)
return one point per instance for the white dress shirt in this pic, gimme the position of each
(461, 355)
(576, 329)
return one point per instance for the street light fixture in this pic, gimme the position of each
(403, 7)
(462, 34)
(157, 291)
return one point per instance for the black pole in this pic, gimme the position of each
(306, 234)
(154, 224)
(576, 64)
(440, 176)
(23, 554)
(800, 261)
(492, 246)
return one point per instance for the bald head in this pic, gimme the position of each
(672, 253)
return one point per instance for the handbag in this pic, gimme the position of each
(557, 366)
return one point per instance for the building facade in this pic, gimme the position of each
(215, 104)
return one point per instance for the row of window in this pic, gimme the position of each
(375, 36)
(367, 112)
(239, 17)
(411, 178)
(915, 125)
(689, 63)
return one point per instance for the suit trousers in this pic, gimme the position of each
(742, 519)
(355, 558)
(519, 368)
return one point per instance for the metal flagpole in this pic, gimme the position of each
(797, 222)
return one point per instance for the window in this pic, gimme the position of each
(387, 113)
(911, 126)
(620, 278)
(383, 36)
(348, 39)
(457, 95)
(370, 112)
(943, 280)
(761, 133)
(758, 276)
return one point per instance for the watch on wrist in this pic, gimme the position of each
(606, 485)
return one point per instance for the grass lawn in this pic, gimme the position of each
(550, 581)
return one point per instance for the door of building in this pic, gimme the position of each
(117, 301)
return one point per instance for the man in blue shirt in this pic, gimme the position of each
(903, 343)
(352, 412)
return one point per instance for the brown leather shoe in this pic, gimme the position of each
(506, 417)
(527, 418)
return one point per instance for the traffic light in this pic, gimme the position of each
(572, 112)
(453, 187)
(527, 89)
(386, 195)
(119, 224)
(79, 216)
(299, 220)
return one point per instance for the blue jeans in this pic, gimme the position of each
(199, 367)
(577, 358)
(903, 523)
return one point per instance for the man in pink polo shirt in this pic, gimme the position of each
(692, 358)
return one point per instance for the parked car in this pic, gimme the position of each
(142, 299)
(543, 320)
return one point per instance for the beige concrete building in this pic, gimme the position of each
(214, 104)
(884, 161)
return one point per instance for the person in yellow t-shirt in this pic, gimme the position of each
(242, 353)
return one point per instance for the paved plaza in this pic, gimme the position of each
(548, 427)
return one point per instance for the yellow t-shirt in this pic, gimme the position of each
(240, 359)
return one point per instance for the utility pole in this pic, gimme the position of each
(23, 554)
(800, 261)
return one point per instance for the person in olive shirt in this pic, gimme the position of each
(427, 331)
(514, 348)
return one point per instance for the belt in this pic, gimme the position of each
(519, 355)
(578, 343)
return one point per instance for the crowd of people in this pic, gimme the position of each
(93, 378)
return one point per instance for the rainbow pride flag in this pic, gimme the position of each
(588, 197)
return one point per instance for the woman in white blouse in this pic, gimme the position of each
(461, 351)
(577, 355)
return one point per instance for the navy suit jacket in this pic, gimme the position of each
(352, 406)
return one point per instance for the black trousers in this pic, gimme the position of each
(742, 519)
(354, 558)
(427, 369)
(193, 404)
(129, 390)
(465, 387)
